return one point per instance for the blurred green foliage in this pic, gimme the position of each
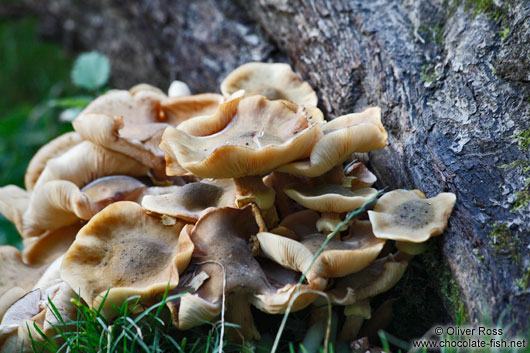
(33, 73)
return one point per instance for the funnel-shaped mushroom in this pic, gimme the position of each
(409, 216)
(52, 149)
(274, 81)
(361, 132)
(87, 162)
(127, 252)
(257, 137)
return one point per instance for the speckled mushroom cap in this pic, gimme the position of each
(87, 162)
(329, 197)
(409, 216)
(182, 108)
(377, 278)
(189, 202)
(258, 136)
(52, 149)
(15, 273)
(127, 252)
(14, 201)
(359, 132)
(274, 81)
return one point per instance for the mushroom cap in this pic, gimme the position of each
(303, 223)
(274, 81)
(47, 247)
(178, 88)
(14, 201)
(56, 204)
(339, 259)
(127, 252)
(358, 176)
(278, 181)
(409, 216)
(106, 190)
(182, 108)
(189, 202)
(252, 189)
(8, 298)
(52, 149)
(375, 279)
(258, 137)
(15, 273)
(86, 162)
(329, 197)
(358, 132)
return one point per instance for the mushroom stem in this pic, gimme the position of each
(402, 256)
(329, 221)
(351, 328)
(252, 189)
(411, 248)
(321, 325)
(239, 313)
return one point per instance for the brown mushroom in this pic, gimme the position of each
(14, 202)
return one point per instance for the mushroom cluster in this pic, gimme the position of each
(226, 197)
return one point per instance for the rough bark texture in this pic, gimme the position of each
(452, 81)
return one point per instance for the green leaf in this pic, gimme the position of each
(91, 71)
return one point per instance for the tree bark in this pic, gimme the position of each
(452, 81)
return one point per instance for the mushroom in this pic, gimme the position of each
(256, 136)
(181, 108)
(52, 149)
(14, 201)
(278, 181)
(15, 272)
(47, 247)
(222, 239)
(191, 201)
(274, 81)
(87, 162)
(359, 132)
(358, 176)
(409, 216)
(331, 200)
(377, 278)
(126, 252)
(355, 314)
(339, 259)
(178, 88)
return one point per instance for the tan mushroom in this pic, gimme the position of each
(358, 176)
(278, 181)
(409, 216)
(360, 132)
(178, 88)
(14, 201)
(339, 259)
(274, 81)
(181, 108)
(255, 138)
(377, 278)
(15, 273)
(126, 252)
(87, 162)
(52, 149)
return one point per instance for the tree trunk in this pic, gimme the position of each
(452, 81)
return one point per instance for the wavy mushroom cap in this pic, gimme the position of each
(375, 279)
(15, 273)
(409, 216)
(191, 201)
(274, 81)
(106, 190)
(329, 197)
(181, 108)
(87, 162)
(339, 259)
(14, 201)
(127, 252)
(359, 132)
(52, 149)
(258, 136)
(50, 245)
